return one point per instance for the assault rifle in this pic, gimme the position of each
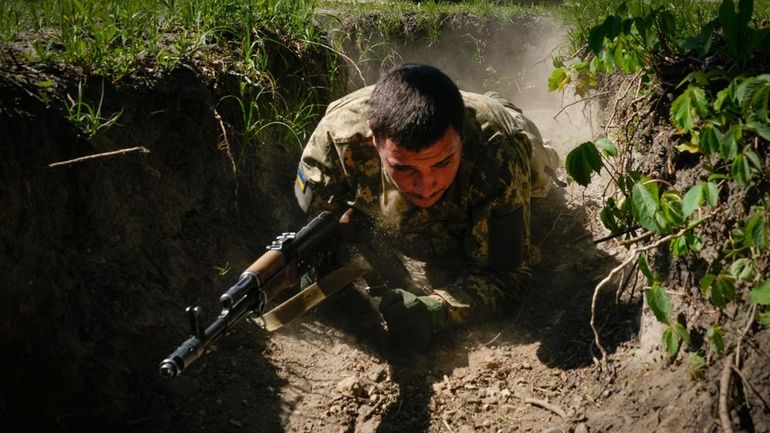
(287, 258)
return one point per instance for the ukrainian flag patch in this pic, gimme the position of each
(301, 180)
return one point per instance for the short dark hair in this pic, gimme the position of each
(414, 105)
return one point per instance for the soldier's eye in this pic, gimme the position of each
(402, 168)
(444, 163)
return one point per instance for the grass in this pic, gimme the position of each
(119, 37)
(689, 16)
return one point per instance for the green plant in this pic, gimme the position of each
(85, 117)
(721, 115)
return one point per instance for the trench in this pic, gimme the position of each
(100, 258)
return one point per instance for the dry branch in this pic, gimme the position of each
(141, 149)
(545, 405)
(724, 390)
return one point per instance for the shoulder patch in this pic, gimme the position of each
(301, 180)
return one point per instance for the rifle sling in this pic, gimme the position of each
(311, 296)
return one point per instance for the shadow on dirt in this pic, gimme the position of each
(554, 314)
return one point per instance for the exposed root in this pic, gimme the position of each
(141, 149)
(724, 390)
(548, 406)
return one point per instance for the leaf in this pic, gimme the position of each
(728, 143)
(764, 319)
(711, 193)
(760, 128)
(741, 170)
(670, 342)
(696, 366)
(644, 266)
(706, 282)
(742, 269)
(709, 140)
(557, 79)
(659, 303)
(715, 338)
(596, 38)
(722, 291)
(692, 199)
(582, 161)
(761, 294)
(607, 146)
(682, 333)
(756, 231)
(644, 206)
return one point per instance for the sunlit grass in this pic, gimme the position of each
(120, 36)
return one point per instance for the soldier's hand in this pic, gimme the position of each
(411, 319)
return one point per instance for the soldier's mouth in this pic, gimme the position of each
(419, 198)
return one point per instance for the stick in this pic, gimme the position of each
(724, 389)
(141, 149)
(545, 405)
(751, 387)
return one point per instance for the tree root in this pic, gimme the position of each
(141, 149)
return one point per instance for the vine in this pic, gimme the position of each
(720, 113)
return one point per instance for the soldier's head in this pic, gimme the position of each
(416, 116)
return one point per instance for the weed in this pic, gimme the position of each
(85, 117)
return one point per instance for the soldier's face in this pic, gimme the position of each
(423, 176)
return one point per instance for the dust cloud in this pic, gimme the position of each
(513, 58)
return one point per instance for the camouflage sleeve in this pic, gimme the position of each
(497, 242)
(320, 183)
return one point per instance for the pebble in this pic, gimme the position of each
(581, 428)
(236, 423)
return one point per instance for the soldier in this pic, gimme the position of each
(444, 179)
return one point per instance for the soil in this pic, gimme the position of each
(99, 259)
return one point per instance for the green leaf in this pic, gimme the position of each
(761, 294)
(741, 170)
(764, 319)
(659, 303)
(711, 193)
(607, 146)
(715, 337)
(582, 161)
(760, 128)
(670, 342)
(722, 291)
(644, 266)
(709, 140)
(742, 269)
(682, 333)
(596, 38)
(692, 199)
(696, 366)
(557, 79)
(756, 231)
(728, 143)
(644, 206)
(706, 282)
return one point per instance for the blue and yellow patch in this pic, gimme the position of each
(301, 180)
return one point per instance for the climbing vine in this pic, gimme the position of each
(720, 115)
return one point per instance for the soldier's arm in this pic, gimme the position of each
(497, 243)
(320, 183)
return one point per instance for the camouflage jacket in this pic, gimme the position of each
(472, 247)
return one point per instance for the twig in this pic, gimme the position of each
(724, 389)
(634, 253)
(141, 149)
(545, 405)
(594, 96)
(226, 143)
(492, 340)
(751, 387)
(446, 424)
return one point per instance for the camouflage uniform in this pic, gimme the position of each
(472, 246)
